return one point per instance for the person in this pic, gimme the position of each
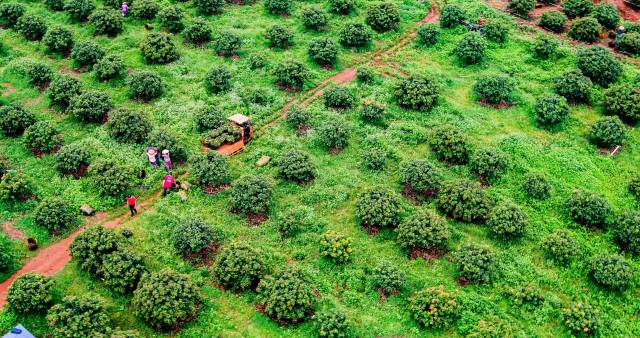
(131, 202)
(152, 154)
(168, 183)
(124, 9)
(167, 160)
(619, 33)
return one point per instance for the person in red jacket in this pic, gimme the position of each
(167, 184)
(131, 202)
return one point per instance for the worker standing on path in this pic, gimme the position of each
(168, 183)
(131, 202)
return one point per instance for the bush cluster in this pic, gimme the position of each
(338, 97)
(588, 209)
(58, 39)
(294, 220)
(121, 270)
(634, 187)
(465, 200)
(372, 112)
(15, 186)
(109, 67)
(476, 263)
(336, 247)
(144, 9)
(421, 176)
(377, 207)
(452, 15)
(551, 110)
(496, 30)
(111, 179)
(10, 12)
(489, 164)
(428, 34)
(553, 20)
(573, 86)
(279, 36)
(629, 42)
(354, 35)
(107, 21)
(91, 106)
(228, 43)
(291, 74)
(560, 246)
(606, 14)
(388, 278)
(209, 7)
(323, 51)
(297, 117)
(79, 10)
(521, 8)
(90, 247)
(171, 18)
(365, 75)
(62, 89)
(31, 27)
(164, 138)
(423, 230)
(30, 293)
(128, 126)
(287, 295)
(471, 49)
(218, 80)
(598, 64)
(623, 101)
(545, 47)
(14, 119)
(581, 319)
(332, 324)
(334, 134)
(296, 165)
(585, 30)
(55, 5)
(144, 85)
(158, 48)
(40, 74)
(209, 117)
(611, 271)
(314, 18)
(450, 145)
(434, 307)
(507, 221)
(342, 7)
(383, 16)
(496, 89)
(577, 8)
(78, 317)
(251, 195)
(536, 186)
(417, 92)
(41, 136)
(55, 214)
(7, 258)
(374, 158)
(192, 236)
(210, 168)
(239, 266)
(608, 132)
(197, 32)
(72, 159)
(278, 7)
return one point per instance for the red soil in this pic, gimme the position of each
(627, 12)
(11, 231)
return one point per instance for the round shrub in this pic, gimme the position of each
(278, 7)
(372, 112)
(111, 179)
(336, 247)
(338, 97)
(279, 36)
(171, 18)
(417, 92)
(31, 27)
(545, 47)
(365, 75)
(296, 165)
(298, 117)
(7, 258)
(145, 9)
(165, 300)
(55, 214)
(10, 12)
(420, 176)
(90, 247)
(464, 200)
(611, 271)
(489, 164)
(423, 230)
(228, 43)
(257, 61)
(121, 271)
(79, 10)
(553, 20)
(294, 220)
(560, 246)
(383, 16)
(608, 132)
(251, 195)
(606, 14)
(452, 15)
(476, 263)
(598, 64)
(58, 39)
(40, 74)
(376, 207)
(239, 266)
(626, 231)
(144, 85)
(450, 145)
(218, 80)
(581, 319)
(209, 7)
(551, 110)
(573, 86)
(314, 18)
(287, 295)
(41, 136)
(164, 138)
(90, 106)
(30, 293)
(107, 21)
(495, 89)
(507, 221)
(332, 324)
(387, 278)
(55, 5)
(634, 187)
(72, 159)
(585, 29)
(521, 8)
(128, 126)
(197, 32)
(536, 186)
(342, 7)
(109, 67)
(14, 119)
(62, 89)
(291, 74)
(374, 158)
(323, 51)
(428, 34)
(588, 209)
(496, 30)
(78, 317)
(623, 101)
(334, 134)
(86, 53)
(192, 236)
(209, 117)
(629, 42)
(577, 8)
(210, 168)
(15, 186)
(471, 49)
(434, 307)
(354, 35)
(158, 48)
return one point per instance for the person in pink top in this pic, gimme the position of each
(167, 184)
(124, 9)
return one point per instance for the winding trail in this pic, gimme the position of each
(12, 232)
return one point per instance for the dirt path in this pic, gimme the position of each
(627, 12)
(12, 232)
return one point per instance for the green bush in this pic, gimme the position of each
(606, 14)
(164, 138)
(91, 247)
(314, 18)
(72, 159)
(62, 89)
(251, 195)
(434, 307)
(239, 266)
(577, 8)
(107, 21)
(14, 119)
(111, 179)
(338, 97)
(629, 42)
(210, 168)
(55, 214)
(334, 134)
(78, 317)
(476, 263)
(41, 136)
(471, 49)
(372, 112)
(7, 257)
(420, 176)
(10, 12)
(417, 92)
(323, 51)
(171, 18)
(40, 74)
(257, 61)
(365, 75)
(297, 117)
(450, 145)
(279, 36)
(342, 7)
(166, 300)
(573, 86)
(15, 186)
(495, 89)
(588, 209)
(507, 221)
(128, 126)
(623, 101)
(144, 85)
(489, 164)
(377, 207)
(192, 236)
(79, 10)
(581, 319)
(58, 40)
(218, 80)
(30, 293)
(86, 53)
(626, 231)
(287, 296)
(553, 20)
(278, 7)
(634, 187)
(145, 9)
(521, 8)
(383, 16)
(209, 7)
(336, 247)
(452, 15)
(388, 278)
(295, 165)
(608, 132)
(228, 43)
(294, 220)
(496, 30)
(109, 67)
(291, 74)
(585, 30)
(121, 270)
(598, 64)
(428, 34)
(197, 32)
(90, 106)
(158, 48)
(354, 35)
(465, 200)
(55, 5)
(209, 117)
(551, 110)
(545, 47)
(536, 186)
(560, 246)
(31, 27)
(332, 324)
(423, 230)
(611, 271)
(374, 158)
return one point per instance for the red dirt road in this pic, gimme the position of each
(627, 12)
(11, 231)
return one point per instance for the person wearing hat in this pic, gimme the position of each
(619, 33)
(167, 160)
(152, 154)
